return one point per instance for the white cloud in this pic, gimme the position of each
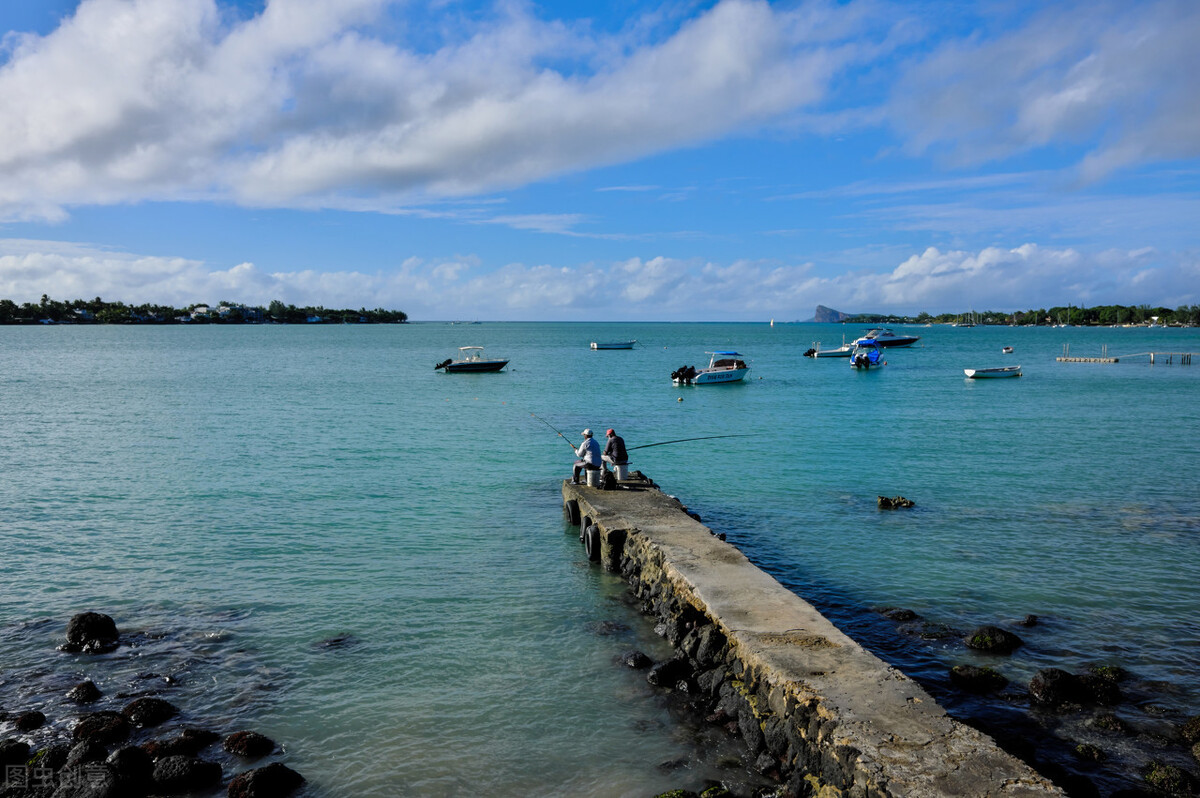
(1113, 78)
(658, 288)
(303, 106)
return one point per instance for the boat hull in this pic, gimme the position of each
(991, 374)
(475, 367)
(705, 377)
(613, 344)
(841, 351)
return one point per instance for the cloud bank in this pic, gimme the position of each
(657, 288)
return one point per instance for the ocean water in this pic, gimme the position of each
(309, 532)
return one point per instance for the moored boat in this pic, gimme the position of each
(885, 337)
(471, 359)
(722, 367)
(842, 351)
(613, 344)
(1007, 350)
(979, 374)
(867, 353)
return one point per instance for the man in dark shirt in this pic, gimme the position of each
(614, 449)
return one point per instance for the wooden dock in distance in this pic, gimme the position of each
(1184, 358)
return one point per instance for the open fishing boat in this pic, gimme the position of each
(471, 359)
(842, 351)
(885, 337)
(722, 367)
(1007, 350)
(613, 344)
(867, 353)
(979, 374)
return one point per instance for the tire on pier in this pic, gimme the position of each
(591, 541)
(571, 512)
(583, 527)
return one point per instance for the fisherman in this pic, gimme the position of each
(588, 454)
(614, 449)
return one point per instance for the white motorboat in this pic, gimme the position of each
(979, 374)
(613, 344)
(470, 359)
(722, 367)
(1007, 350)
(886, 337)
(867, 353)
(842, 351)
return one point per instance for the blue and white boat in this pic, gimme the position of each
(722, 367)
(867, 353)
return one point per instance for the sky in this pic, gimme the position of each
(614, 160)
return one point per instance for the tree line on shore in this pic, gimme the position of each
(1099, 316)
(97, 311)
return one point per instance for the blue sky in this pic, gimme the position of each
(734, 160)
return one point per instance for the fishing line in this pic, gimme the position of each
(556, 429)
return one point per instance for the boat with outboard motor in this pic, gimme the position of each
(979, 374)
(867, 353)
(885, 337)
(471, 360)
(842, 351)
(613, 344)
(722, 367)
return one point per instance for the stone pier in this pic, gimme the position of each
(828, 716)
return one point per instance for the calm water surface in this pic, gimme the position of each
(315, 535)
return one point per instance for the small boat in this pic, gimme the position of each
(842, 351)
(979, 374)
(1007, 350)
(470, 359)
(613, 344)
(722, 367)
(886, 337)
(867, 353)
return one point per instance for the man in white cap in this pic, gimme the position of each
(588, 454)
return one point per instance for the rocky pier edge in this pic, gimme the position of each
(815, 709)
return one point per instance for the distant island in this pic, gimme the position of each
(97, 311)
(1099, 316)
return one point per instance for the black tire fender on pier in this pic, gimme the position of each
(591, 541)
(583, 526)
(571, 512)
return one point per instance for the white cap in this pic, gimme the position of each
(587, 433)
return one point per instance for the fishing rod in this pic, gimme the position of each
(685, 440)
(556, 429)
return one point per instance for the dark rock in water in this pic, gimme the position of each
(898, 614)
(13, 752)
(1190, 731)
(1055, 687)
(54, 756)
(894, 503)
(188, 743)
(677, 794)
(672, 764)
(133, 766)
(977, 680)
(93, 632)
(338, 641)
(1112, 673)
(670, 673)
(1098, 689)
(175, 775)
(1029, 620)
(84, 692)
(103, 727)
(28, 721)
(1110, 723)
(636, 660)
(146, 712)
(248, 744)
(1196, 752)
(273, 781)
(717, 791)
(1089, 752)
(993, 640)
(1169, 779)
(85, 752)
(606, 628)
(928, 630)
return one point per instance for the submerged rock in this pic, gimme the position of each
(1055, 687)
(189, 743)
(993, 640)
(1190, 731)
(894, 503)
(248, 744)
(1169, 778)
(28, 721)
(1089, 752)
(977, 680)
(103, 727)
(636, 660)
(13, 752)
(1029, 620)
(1110, 723)
(133, 766)
(146, 712)
(174, 775)
(273, 781)
(898, 614)
(84, 692)
(92, 632)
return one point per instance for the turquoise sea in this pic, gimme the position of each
(307, 531)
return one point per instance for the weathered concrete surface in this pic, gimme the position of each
(833, 718)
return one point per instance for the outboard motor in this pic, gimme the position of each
(812, 352)
(442, 365)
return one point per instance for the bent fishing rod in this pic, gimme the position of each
(686, 440)
(556, 429)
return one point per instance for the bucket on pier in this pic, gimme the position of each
(622, 472)
(593, 477)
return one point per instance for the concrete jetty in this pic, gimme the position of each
(828, 716)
